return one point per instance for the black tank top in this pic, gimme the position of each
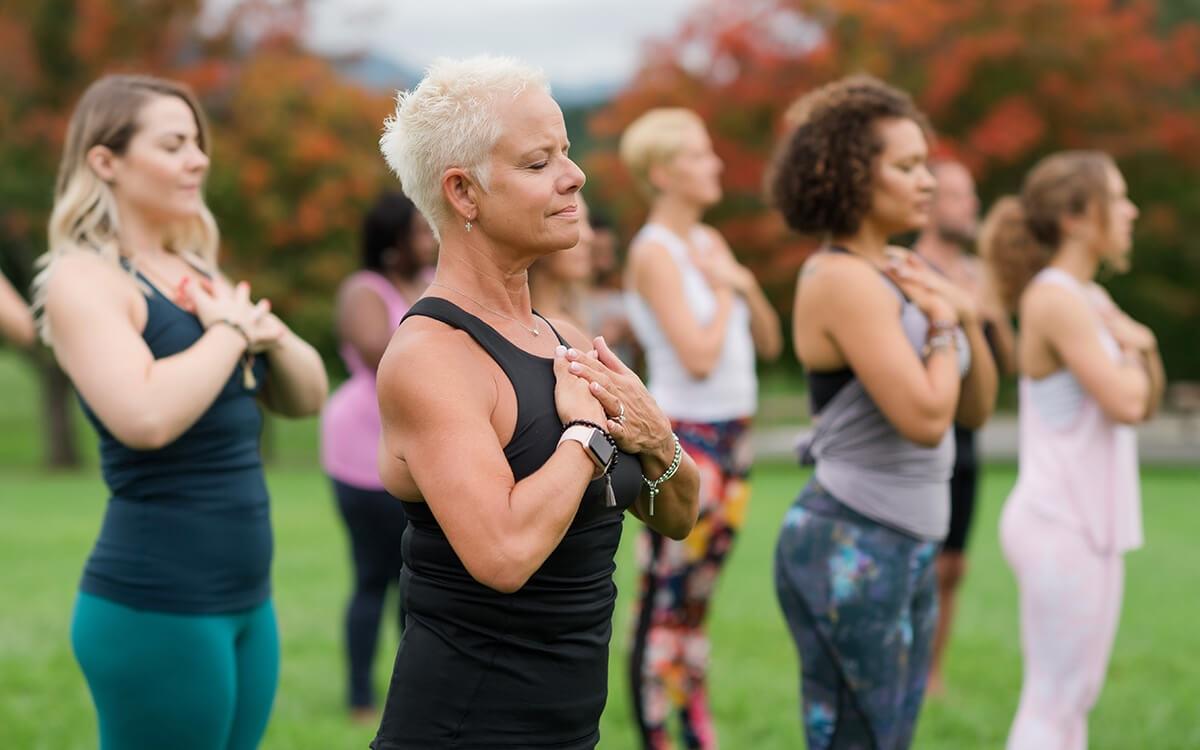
(478, 668)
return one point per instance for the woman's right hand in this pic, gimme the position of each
(572, 394)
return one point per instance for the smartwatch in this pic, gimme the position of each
(595, 443)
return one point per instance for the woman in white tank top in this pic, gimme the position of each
(701, 319)
(1087, 372)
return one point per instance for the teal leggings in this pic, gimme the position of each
(187, 682)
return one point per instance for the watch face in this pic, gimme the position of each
(600, 448)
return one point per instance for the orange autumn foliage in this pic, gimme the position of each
(1004, 84)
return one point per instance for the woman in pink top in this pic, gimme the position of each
(1088, 372)
(398, 254)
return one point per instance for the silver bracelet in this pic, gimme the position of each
(939, 341)
(670, 472)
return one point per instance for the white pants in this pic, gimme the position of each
(1070, 600)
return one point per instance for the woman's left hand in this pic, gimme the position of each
(634, 419)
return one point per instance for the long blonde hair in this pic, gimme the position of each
(85, 217)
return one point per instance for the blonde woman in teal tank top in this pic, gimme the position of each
(173, 627)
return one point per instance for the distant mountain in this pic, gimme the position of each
(377, 72)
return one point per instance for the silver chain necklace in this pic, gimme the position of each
(533, 330)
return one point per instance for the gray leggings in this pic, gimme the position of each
(860, 601)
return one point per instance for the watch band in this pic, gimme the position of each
(586, 437)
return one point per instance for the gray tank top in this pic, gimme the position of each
(871, 468)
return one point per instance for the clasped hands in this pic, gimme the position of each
(214, 302)
(618, 398)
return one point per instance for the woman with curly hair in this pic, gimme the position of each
(1088, 372)
(894, 354)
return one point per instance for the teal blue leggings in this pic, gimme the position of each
(187, 682)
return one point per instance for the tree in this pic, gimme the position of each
(1004, 83)
(295, 155)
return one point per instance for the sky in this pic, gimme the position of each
(578, 43)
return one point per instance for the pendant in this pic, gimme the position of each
(611, 499)
(248, 379)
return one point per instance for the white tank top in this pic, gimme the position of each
(731, 389)
(1076, 466)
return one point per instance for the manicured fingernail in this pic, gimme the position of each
(572, 353)
(595, 387)
(576, 367)
(560, 351)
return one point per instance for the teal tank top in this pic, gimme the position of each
(187, 528)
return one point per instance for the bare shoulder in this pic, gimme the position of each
(432, 360)
(840, 278)
(1050, 306)
(86, 282)
(714, 237)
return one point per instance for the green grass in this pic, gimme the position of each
(47, 524)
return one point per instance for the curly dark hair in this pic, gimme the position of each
(820, 179)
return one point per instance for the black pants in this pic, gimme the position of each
(375, 521)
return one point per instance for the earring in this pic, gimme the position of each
(468, 225)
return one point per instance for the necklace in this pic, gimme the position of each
(533, 330)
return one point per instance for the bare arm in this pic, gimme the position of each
(16, 322)
(764, 322)
(296, 382)
(145, 402)
(978, 396)
(362, 322)
(440, 431)
(658, 281)
(1138, 342)
(1004, 338)
(1067, 325)
(860, 315)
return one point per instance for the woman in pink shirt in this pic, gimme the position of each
(398, 255)
(1088, 372)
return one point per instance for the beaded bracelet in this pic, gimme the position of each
(610, 499)
(248, 379)
(670, 472)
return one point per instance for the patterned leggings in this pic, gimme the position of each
(669, 659)
(860, 601)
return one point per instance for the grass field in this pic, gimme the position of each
(48, 523)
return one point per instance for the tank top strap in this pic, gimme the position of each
(532, 377)
(674, 244)
(1059, 277)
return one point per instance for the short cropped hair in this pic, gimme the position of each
(449, 120)
(654, 138)
(821, 177)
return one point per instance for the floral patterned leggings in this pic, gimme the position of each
(669, 654)
(860, 601)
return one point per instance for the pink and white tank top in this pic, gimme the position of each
(1077, 466)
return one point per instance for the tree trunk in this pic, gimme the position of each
(59, 440)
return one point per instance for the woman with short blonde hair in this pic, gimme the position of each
(701, 319)
(516, 444)
(174, 626)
